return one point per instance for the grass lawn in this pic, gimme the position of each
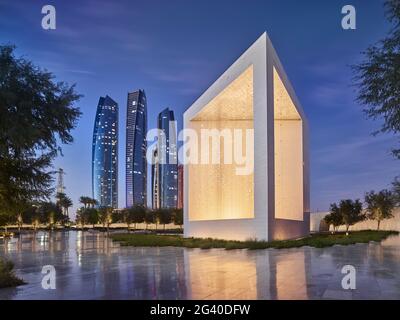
(7, 276)
(316, 240)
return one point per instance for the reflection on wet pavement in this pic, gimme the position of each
(91, 266)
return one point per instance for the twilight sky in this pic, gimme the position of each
(175, 49)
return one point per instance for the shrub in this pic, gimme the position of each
(7, 276)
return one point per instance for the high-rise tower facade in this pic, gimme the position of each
(167, 158)
(105, 153)
(180, 186)
(136, 148)
(155, 184)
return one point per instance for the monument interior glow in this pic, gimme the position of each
(272, 202)
(229, 196)
(288, 154)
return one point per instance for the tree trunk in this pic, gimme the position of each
(129, 230)
(379, 223)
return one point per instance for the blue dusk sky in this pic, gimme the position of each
(176, 49)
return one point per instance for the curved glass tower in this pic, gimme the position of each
(136, 148)
(168, 165)
(105, 153)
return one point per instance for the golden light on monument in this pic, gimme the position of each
(288, 154)
(219, 192)
(225, 200)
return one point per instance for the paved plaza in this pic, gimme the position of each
(90, 266)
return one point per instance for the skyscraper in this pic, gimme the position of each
(105, 153)
(180, 186)
(167, 157)
(155, 185)
(136, 148)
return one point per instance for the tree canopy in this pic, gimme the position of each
(37, 114)
(378, 76)
(379, 205)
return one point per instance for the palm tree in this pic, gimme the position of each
(67, 203)
(93, 202)
(64, 202)
(59, 197)
(85, 201)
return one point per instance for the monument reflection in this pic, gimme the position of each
(91, 266)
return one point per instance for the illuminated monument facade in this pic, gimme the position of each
(272, 201)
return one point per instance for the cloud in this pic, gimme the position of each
(81, 72)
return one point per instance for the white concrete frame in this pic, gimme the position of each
(264, 226)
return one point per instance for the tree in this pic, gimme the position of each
(396, 191)
(117, 216)
(37, 114)
(164, 216)
(105, 216)
(178, 217)
(92, 216)
(150, 217)
(85, 201)
(64, 202)
(18, 211)
(378, 76)
(31, 216)
(129, 217)
(51, 214)
(351, 212)
(60, 196)
(81, 218)
(93, 202)
(379, 205)
(334, 217)
(6, 219)
(139, 214)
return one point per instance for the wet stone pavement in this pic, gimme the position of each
(90, 266)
